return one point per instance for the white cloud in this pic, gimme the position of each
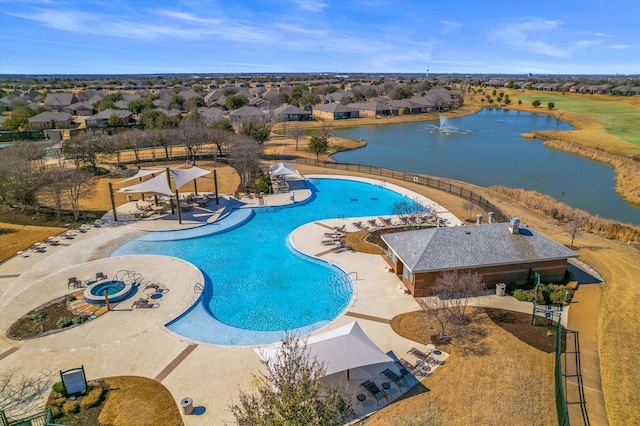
(587, 43)
(527, 36)
(311, 5)
(621, 46)
(450, 25)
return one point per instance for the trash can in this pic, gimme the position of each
(187, 405)
(501, 289)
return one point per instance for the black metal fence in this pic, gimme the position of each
(419, 179)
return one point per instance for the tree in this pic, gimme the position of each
(108, 101)
(245, 154)
(257, 129)
(19, 118)
(222, 124)
(469, 206)
(85, 148)
(79, 186)
(536, 103)
(192, 133)
(358, 96)
(291, 393)
(219, 137)
(154, 119)
(558, 119)
(574, 226)
(114, 120)
(402, 93)
(551, 105)
(408, 212)
(21, 174)
(296, 133)
(176, 101)
(456, 287)
(318, 145)
(235, 101)
(136, 106)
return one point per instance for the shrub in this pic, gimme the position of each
(55, 411)
(38, 316)
(80, 319)
(58, 387)
(71, 298)
(64, 322)
(523, 295)
(70, 407)
(93, 397)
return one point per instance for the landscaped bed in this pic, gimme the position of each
(120, 400)
(52, 317)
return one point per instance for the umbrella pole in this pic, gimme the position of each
(347, 374)
(178, 203)
(113, 202)
(195, 186)
(215, 185)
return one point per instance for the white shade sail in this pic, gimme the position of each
(282, 169)
(156, 185)
(142, 173)
(341, 349)
(183, 176)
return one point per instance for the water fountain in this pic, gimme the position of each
(444, 126)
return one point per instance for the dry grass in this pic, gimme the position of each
(357, 241)
(139, 401)
(23, 236)
(549, 206)
(491, 378)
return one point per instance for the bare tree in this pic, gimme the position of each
(245, 153)
(21, 174)
(296, 133)
(409, 213)
(292, 393)
(455, 287)
(192, 133)
(79, 185)
(469, 206)
(166, 139)
(85, 148)
(326, 131)
(574, 226)
(219, 137)
(56, 186)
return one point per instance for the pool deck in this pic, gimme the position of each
(134, 341)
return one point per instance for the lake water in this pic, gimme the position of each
(487, 150)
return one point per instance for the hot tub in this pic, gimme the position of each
(117, 291)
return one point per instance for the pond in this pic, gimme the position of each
(486, 149)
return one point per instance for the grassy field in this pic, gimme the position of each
(618, 115)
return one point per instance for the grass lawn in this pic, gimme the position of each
(618, 119)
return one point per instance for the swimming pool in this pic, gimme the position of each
(256, 285)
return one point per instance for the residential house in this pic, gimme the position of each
(59, 100)
(333, 111)
(210, 115)
(406, 105)
(246, 113)
(50, 120)
(101, 119)
(291, 113)
(499, 252)
(84, 109)
(373, 109)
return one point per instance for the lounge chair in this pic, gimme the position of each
(74, 282)
(425, 356)
(100, 276)
(144, 304)
(408, 368)
(398, 380)
(158, 288)
(375, 391)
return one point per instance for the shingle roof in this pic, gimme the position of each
(472, 246)
(334, 108)
(291, 110)
(50, 116)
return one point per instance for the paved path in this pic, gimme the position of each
(583, 319)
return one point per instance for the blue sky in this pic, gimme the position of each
(260, 36)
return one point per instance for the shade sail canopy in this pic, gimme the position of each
(341, 349)
(142, 173)
(282, 169)
(156, 185)
(183, 176)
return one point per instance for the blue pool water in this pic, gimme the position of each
(112, 288)
(256, 286)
